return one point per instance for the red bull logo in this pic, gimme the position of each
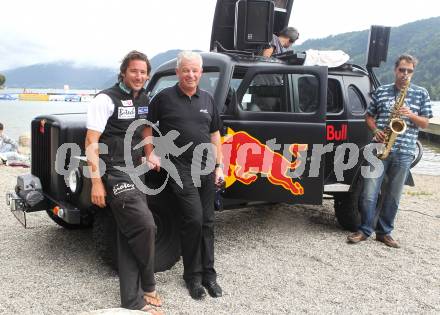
(245, 157)
(333, 134)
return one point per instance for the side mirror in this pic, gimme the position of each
(378, 45)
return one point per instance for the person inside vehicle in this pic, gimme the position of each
(109, 115)
(281, 43)
(415, 111)
(192, 112)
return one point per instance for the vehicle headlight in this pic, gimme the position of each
(74, 181)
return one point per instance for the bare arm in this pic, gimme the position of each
(152, 160)
(420, 121)
(92, 152)
(268, 51)
(216, 142)
(371, 123)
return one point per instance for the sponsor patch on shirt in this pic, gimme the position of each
(126, 112)
(204, 111)
(122, 187)
(142, 110)
(127, 103)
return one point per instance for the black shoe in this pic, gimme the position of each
(196, 290)
(213, 288)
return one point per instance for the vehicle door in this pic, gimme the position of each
(270, 130)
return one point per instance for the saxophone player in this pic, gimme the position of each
(413, 112)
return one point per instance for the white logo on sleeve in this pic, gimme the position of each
(126, 112)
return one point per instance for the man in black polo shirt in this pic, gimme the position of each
(109, 115)
(191, 111)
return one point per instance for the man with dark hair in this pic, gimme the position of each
(282, 42)
(192, 112)
(109, 116)
(415, 111)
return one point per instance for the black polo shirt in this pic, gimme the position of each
(195, 118)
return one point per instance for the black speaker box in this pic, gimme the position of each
(378, 45)
(253, 23)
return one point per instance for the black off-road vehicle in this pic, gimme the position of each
(277, 115)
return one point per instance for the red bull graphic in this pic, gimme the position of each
(334, 134)
(245, 156)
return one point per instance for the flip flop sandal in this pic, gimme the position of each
(153, 299)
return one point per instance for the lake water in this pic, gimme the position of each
(17, 117)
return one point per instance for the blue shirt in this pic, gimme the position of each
(383, 100)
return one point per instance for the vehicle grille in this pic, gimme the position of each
(41, 152)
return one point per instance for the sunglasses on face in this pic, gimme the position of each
(405, 70)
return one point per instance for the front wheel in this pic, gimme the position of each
(167, 245)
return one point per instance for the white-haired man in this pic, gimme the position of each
(191, 111)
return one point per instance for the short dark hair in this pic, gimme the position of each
(407, 58)
(1, 126)
(133, 55)
(291, 33)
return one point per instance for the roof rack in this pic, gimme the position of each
(291, 57)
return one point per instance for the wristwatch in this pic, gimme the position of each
(219, 165)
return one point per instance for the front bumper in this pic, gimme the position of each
(20, 209)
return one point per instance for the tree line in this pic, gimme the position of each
(420, 39)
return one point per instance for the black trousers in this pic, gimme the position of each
(135, 238)
(196, 207)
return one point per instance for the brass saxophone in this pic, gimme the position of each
(396, 125)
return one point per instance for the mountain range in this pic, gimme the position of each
(420, 38)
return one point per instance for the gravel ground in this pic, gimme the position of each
(271, 260)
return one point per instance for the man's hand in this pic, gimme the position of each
(219, 176)
(98, 194)
(153, 162)
(379, 136)
(405, 111)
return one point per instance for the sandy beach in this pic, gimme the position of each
(280, 259)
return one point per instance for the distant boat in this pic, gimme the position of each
(33, 97)
(8, 97)
(72, 98)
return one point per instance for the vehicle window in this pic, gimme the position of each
(266, 93)
(208, 82)
(308, 93)
(356, 100)
(334, 96)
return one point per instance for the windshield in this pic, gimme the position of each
(208, 82)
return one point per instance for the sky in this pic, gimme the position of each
(100, 33)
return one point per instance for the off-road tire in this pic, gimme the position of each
(167, 246)
(104, 235)
(166, 217)
(347, 209)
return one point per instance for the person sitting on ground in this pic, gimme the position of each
(8, 148)
(6, 143)
(281, 43)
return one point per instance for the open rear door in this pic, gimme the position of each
(271, 130)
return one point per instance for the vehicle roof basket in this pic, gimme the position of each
(291, 57)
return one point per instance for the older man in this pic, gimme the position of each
(191, 111)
